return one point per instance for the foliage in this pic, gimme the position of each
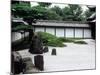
(50, 40)
(44, 4)
(80, 42)
(66, 39)
(20, 10)
(21, 27)
(57, 10)
(73, 12)
(44, 12)
(88, 13)
(51, 15)
(25, 11)
(72, 40)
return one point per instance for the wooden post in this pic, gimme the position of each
(39, 62)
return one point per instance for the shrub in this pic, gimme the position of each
(55, 43)
(80, 42)
(50, 40)
(66, 39)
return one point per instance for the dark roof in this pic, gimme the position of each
(54, 23)
(21, 27)
(59, 21)
(92, 8)
(92, 17)
(19, 20)
(19, 24)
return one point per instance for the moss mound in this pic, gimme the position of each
(80, 42)
(50, 40)
(66, 39)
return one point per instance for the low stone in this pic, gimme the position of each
(53, 52)
(29, 65)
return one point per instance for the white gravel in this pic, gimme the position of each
(72, 57)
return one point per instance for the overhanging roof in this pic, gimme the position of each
(61, 23)
(56, 23)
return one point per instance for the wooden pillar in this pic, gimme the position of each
(34, 28)
(24, 35)
(64, 32)
(74, 33)
(44, 29)
(83, 33)
(55, 31)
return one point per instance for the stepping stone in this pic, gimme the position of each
(53, 52)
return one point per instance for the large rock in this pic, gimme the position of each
(17, 65)
(30, 67)
(36, 46)
(39, 62)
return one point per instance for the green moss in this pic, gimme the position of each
(69, 40)
(21, 27)
(50, 40)
(80, 42)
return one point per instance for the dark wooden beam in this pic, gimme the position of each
(55, 31)
(83, 33)
(64, 32)
(74, 32)
(44, 29)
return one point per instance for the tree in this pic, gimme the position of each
(20, 10)
(72, 12)
(88, 13)
(41, 11)
(44, 4)
(24, 11)
(52, 15)
(58, 10)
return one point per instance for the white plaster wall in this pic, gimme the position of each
(70, 32)
(50, 30)
(37, 29)
(15, 36)
(87, 33)
(78, 33)
(60, 32)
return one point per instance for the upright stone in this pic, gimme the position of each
(36, 46)
(53, 52)
(39, 62)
